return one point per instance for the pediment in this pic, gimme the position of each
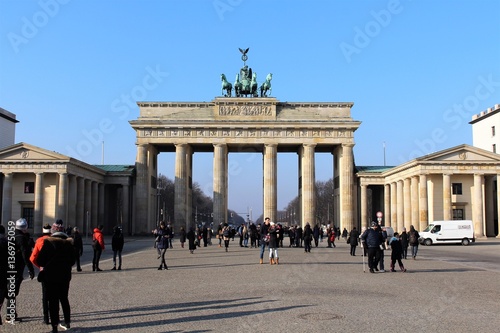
(24, 152)
(462, 153)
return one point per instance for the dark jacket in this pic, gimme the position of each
(308, 232)
(117, 241)
(23, 252)
(78, 243)
(163, 236)
(397, 249)
(372, 237)
(353, 237)
(57, 256)
(273, 236)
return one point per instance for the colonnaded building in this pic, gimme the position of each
(456, 183)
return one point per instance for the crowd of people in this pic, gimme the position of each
(56, 251)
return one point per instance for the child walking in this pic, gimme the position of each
(397, 252)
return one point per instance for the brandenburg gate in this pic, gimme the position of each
(247, 122)
(239, 124)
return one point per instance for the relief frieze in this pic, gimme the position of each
(245, 110)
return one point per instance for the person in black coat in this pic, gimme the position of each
(353, 240)
(191, 237)
(273, 232)
(397, 252)
(57, 258)
(308, 236)
(78, 246)
(404, 242)
(22, 260)
(117, 242)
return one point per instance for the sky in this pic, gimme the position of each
(72, 71)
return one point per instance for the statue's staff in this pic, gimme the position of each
(244, 56)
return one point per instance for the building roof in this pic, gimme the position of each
(115, 167)
(372, 169)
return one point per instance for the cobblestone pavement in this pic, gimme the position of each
(322, 291)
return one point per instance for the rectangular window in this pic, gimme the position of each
(494, 148)
(29, 187)
(492, 130)
(458, 214)
(456, 188)
(28, 213)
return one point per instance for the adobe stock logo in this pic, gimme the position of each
(120, 106)
(222, 6)
(30, 28)
(372, 28)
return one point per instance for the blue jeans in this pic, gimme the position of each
(262, 248)
(414, 250)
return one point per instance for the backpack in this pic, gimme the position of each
(413, 238)
(225, 233)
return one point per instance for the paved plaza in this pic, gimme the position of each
(322, 291)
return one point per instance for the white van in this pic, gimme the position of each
(456, 231)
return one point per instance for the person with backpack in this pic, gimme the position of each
(413, 237)
(98, 247)
(226, 234)
(403, 238)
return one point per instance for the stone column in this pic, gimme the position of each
(346, 184)
(126, 209)
(363, 202)
(62, 198)
(80, 204)
(447, 197)
(39, 200)
(270, 203)
(387, 205)
(400, 207)
(141, 214)
(95, 206)
(407, 203)
(89, 226)
(414, 202)
(394, 206)
(189, 190)
(180, 211)
(7, 198)
(72, 193)
(477, 206)
(498, 204)
(489, 206)
(308, 203)
(101, 203)
(220, 181)
(424, 210)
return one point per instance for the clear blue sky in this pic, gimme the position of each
(416, 72)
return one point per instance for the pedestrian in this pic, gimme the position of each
(163, 245)
(353, 240)
(182, 236)
(403, 238)
(308, 235)
(413, 237)
(344, 234)
(245, 236)
(372, 239)
(332, 237)
(219, 235)
(98, 246)
(299, 233)
(117, 242)
(273, 243)
(191, 237)
(397, 252)
(78, 246)
(316, 234)
(240, 233)
(263, 233)
(22, 260)
(57, 257)
(46, 231)
(4, 267)
(291, 236)
(383, 233)
(226, 234)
